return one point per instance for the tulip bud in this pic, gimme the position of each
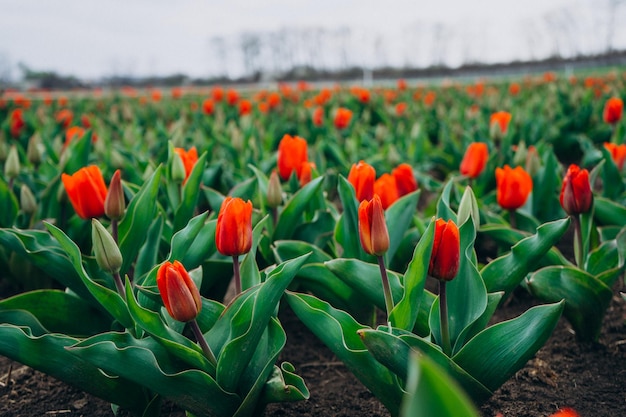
(108, 255)
(362, 177)
(274, 191)
(576, 196)
(178, 292)
(444, 258)
(33, 152)
(233, 234)
(474, 160)
(12, 164)
(28, 202)
(372, 227)
(114, 203)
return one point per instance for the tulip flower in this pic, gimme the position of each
(386, 188)
(233, 234)
(292, 152)
(618, 154)
(474, 160)
(375, 240)
(343, 117)
(217, 93)
(576, 196)
(306, 172)
(499, 122)
(16, 122)
(64, 118)
(232, 97)
(318, 116)
(444, 265)
(245, 107)
(405, 180)
(513, 187)
(87, 191)
(362, 177)
(189, 159)
(613, 109)
(74, 132)
(208, 107)
(181, 299)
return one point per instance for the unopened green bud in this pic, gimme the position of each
(28, 202)
(33, 152)
(114, 203)
(108, 255)
(519, 159)
(178, 169)
(12, 164)
(274, 191)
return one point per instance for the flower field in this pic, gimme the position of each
(162, 247)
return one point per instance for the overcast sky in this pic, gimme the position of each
(92, 39)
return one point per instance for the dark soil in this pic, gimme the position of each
(590, 378)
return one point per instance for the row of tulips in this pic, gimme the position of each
(303, 224)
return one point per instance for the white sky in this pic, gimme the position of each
(91, 38)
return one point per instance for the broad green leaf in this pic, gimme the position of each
(148, 254)
(612, 182)
(444, 210)
(284, 385)
(406, 311)
(399, 217)
(608, 212)
(507, 271)
(431, 393)
(291, 216)
(496, 353)
(79, 151)
(289, 249)
(250, 275)
(60, 312)
(23, 339)
(9, 205)
(107, 298)
(586, 298)
(338, 330)
(262, 182)
(347, 229)
(603, 258)
(140, 213)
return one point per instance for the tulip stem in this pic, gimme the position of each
(512, 219)
(237, 274)
(202, 341)
(386, 287)
(119, 285)
(578, 240)
(443, 318)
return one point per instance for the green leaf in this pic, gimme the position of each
(406, 311)
(496, 353)
(79, 150)
(347, 229)
(190, 192)
(291, 216)
(607, 212)
(148, 255)
(431, 393)
(107, 298)
(23, 339)
(444, 210)
(289, 249)
(338, 330)
(140, 213)
(284, 385)
(9, 205)
(399, 217)
(250, 275)
(506, 272)
(602, 258)
(60, 312)
(586, 298)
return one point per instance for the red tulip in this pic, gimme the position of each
(501, 119)
(208, 106)
(64, 118)
(513, 187)
(318, 116)
(292, 153)
(618, 154)
(372, 227)
(17, 122)
(342, 118)
(245, 107)
(189, 159)
(386, 188)
(362, 177)
(306, 173)
(613, 109)
(179, 293)
(475, 159)
(576, 196)
(233, 235)
(444, 258)
(87, 191)
(232, 97)
(405, 180)
(217, 93)
(74, 132)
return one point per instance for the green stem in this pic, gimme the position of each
(114, 230)
(202, 341)
(237, 274)
(578, 240)
(386, 286)
(443, 318)
(119, 285)
(512, 219)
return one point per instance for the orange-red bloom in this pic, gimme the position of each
(475, 159)
(386, 188)
(217, 93)
(401, 108)
(178, 291)
(292, 153)
(362, 177)
(405, 180)
(618, 154)
(372, 227)
(445, 255)
(318, 116)
(232, 97)
(513, 187)
(565, 412)
(64, 117)
(514, 89)
(501, 119)
(87, 191)
(74, 132)
(576, 196)
(189, 159)
(17, 122)
(613, 109)
(306, 173)
(245, 107)
(208, 107)
(233, 235)
(343, 117)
